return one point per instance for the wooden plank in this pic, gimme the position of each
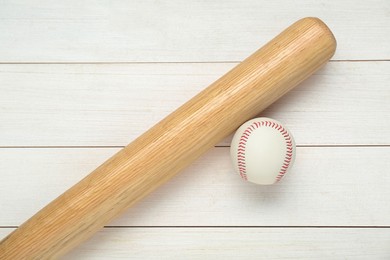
(150, 31)
(337, 186)
(234, 243)
(5, 231)
(237, 244)
(111, 104)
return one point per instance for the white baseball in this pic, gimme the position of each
(262, 151)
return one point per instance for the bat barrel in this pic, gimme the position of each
(173, 143)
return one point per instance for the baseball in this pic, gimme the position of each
(262, 151)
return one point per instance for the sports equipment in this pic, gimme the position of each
(173, 143)
(262, 151)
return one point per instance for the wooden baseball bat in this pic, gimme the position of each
(173, 143)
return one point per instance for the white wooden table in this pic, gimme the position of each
(81, 79)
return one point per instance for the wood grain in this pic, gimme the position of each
(177, 31)
(102, 100)
(234, 243)
(111, 104)
(173, 143)
(211, 243)
(328, 186)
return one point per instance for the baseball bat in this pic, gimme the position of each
(173, 143)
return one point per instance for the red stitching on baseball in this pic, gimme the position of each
(244, 139)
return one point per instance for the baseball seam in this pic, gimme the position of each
(241, 161)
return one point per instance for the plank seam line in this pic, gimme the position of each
(217, 146)
(158, 62)
(233, 227)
